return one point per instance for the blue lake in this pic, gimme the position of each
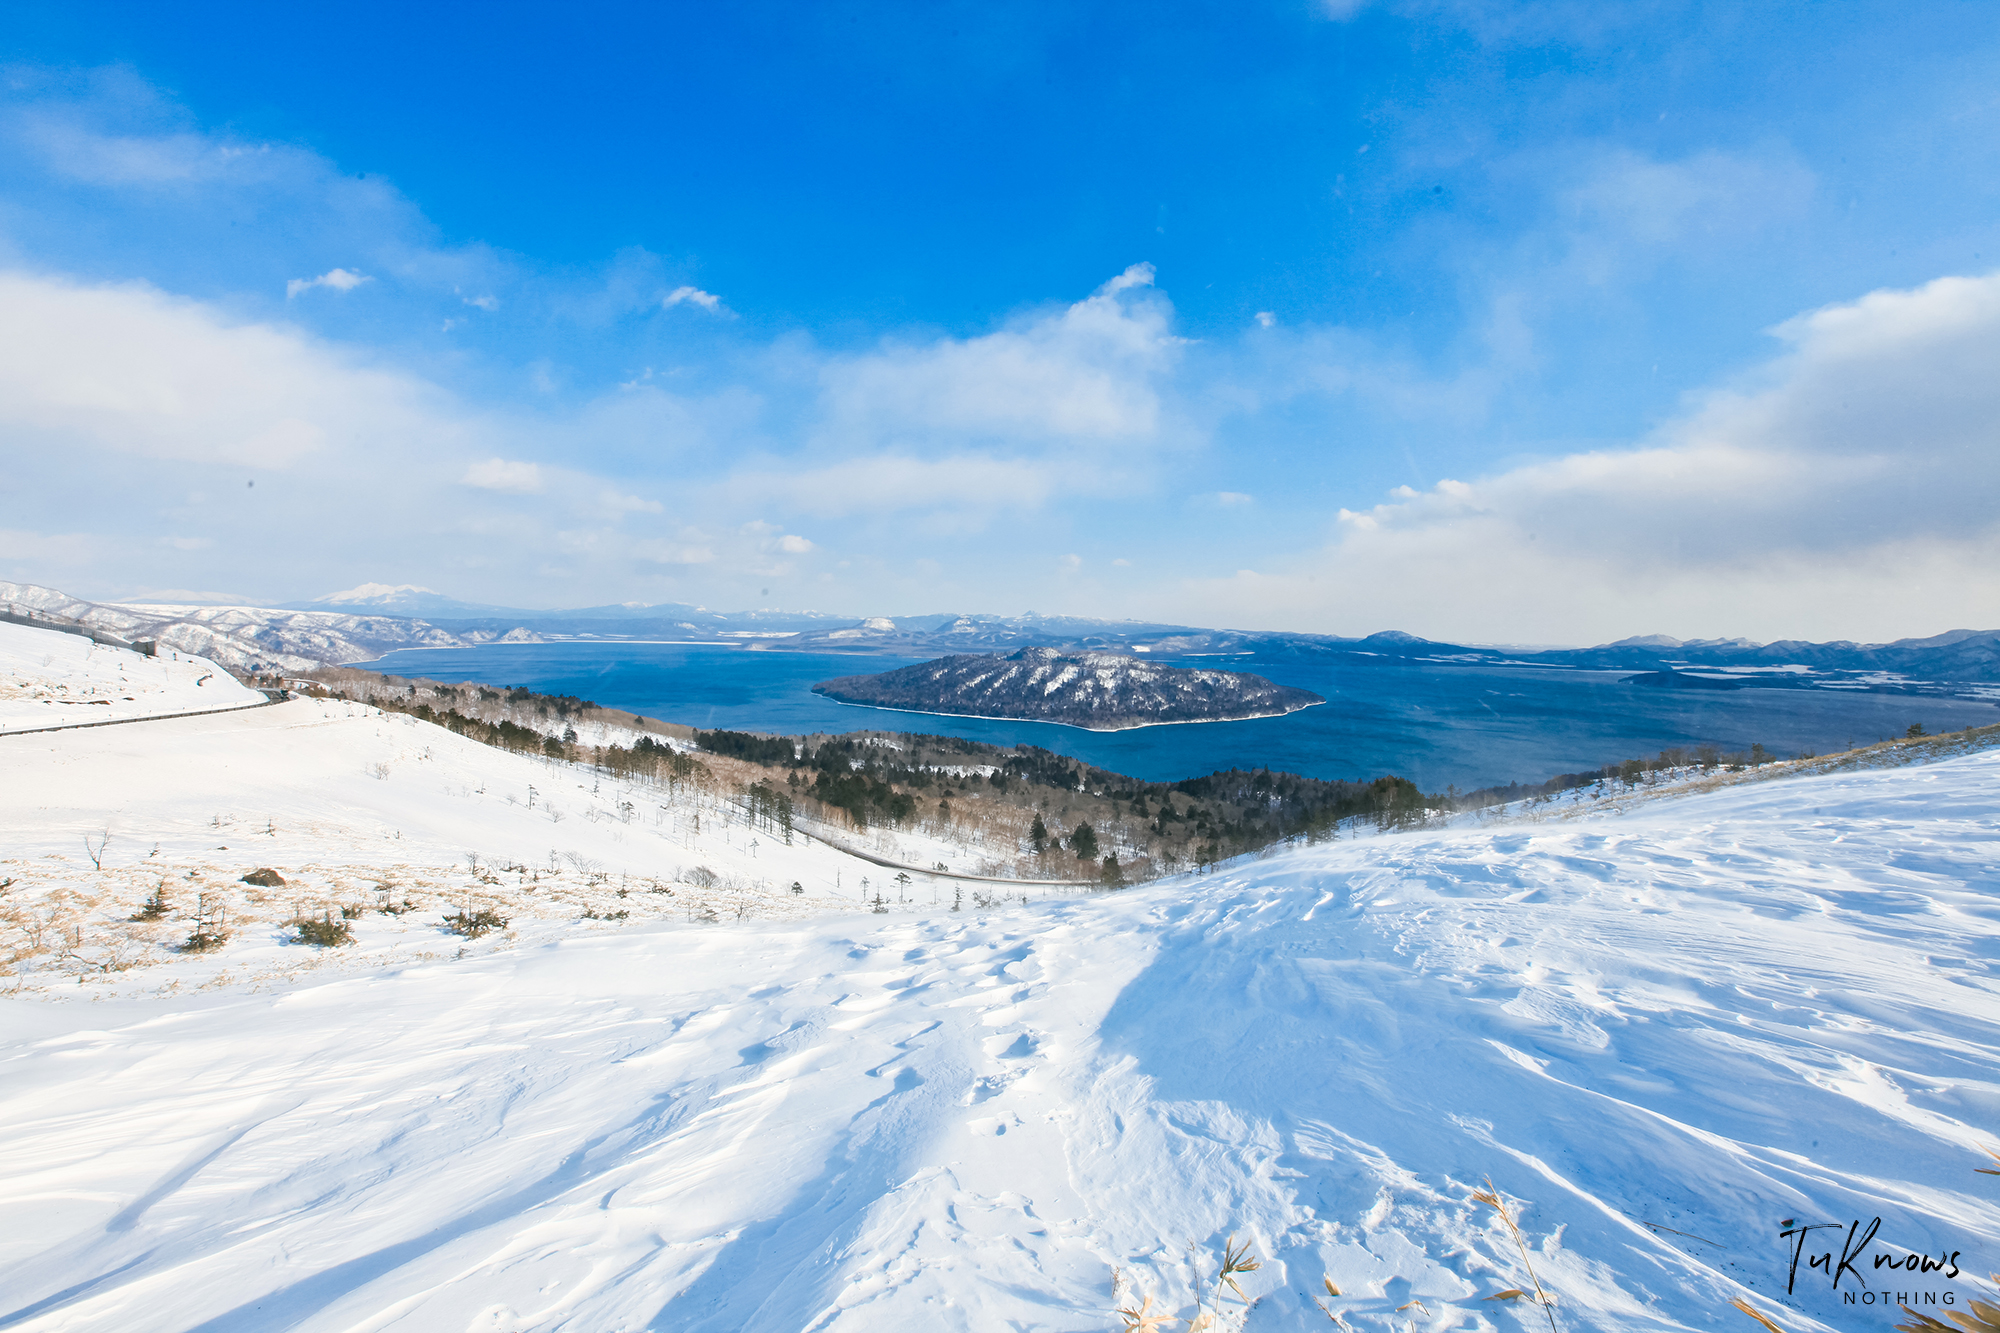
(1433, 723)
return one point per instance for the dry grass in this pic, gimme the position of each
(1145, 1319)
(1139, 1316)
(1490, 1196)
(1333, 1293)
(1981, 1317)
(1745, 1306)
(65, 924)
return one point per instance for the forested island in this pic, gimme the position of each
(1096, 691)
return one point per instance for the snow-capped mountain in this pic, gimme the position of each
(403, 599)
(243, 638)
(363, 622)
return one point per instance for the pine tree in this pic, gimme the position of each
(1038, 835)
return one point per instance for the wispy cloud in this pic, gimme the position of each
(1087, 374)
(888, 483)
(616, 503)
(337, 279)
(498, 474)
(708, 301)
(132, 371)
(1830, 494)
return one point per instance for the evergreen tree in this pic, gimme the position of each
(1084, 842)
(1038, 835)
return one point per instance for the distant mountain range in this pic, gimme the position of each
(362, 623)
(243, 638)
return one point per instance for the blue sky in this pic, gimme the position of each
(1501, 322)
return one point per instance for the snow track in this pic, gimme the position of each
(1661, 1034)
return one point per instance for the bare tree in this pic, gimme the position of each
(93, 846)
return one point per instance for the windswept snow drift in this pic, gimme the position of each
(49, 679)
(1663, 1034)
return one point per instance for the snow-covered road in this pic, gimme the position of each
(51, 679)
(1664, 1034)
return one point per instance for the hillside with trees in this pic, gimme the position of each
(1098, 691)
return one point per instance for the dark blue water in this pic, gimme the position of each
(1433, 723)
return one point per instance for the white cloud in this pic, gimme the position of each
(1624, 211)
(1234, 499)
(498, 474)
(182, 597)
(337, 279)
(131, 370)
(614, 503)
(1085, 375)
(793, 544)
(886, 483)
(174, 159)
(487, 303)
(1265, 319)
(667, 552)
(1845, 490)
(694, 296)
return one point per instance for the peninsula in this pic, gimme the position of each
(1096, 691)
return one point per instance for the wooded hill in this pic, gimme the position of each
(1122, 825)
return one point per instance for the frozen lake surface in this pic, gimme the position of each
(1434, 723)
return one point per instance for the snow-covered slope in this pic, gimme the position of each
(51, 679)
(1666, 1036)
(341, 798)
(246, 638)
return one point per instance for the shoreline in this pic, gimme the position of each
(1074, 726)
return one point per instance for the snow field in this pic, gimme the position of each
(1660, 1033)
(50, 679)
(357, 809)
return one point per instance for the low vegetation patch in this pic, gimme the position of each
(473, 924)
(210, 925)
(322, 931)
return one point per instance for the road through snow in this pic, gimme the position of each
(51, 679)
